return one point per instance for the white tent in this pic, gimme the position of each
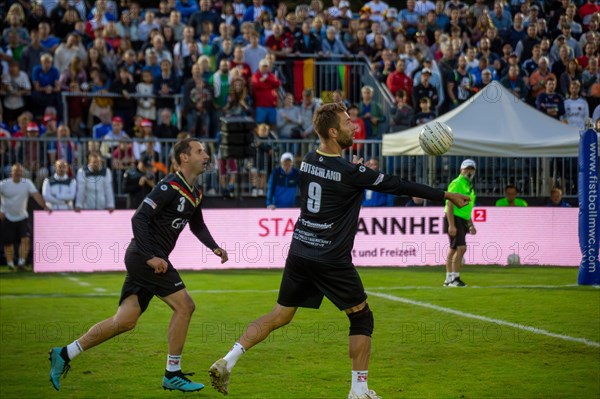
(495, 123)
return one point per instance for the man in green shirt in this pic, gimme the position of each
(510, 198)
(458, 223)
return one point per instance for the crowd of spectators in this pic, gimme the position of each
(154, 73)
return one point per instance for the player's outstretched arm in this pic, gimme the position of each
(457, 199)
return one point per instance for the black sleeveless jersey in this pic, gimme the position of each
(331, 192)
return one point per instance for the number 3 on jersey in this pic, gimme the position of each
(314, 197)
(181, 206)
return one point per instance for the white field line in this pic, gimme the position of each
(416, 287)
(485, 319)
(101, 293)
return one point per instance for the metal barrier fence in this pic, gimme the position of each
(532, 176)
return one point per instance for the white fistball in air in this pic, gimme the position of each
(436, 138)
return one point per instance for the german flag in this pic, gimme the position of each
(304, 77)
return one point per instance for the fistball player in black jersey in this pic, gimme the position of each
(319, 262)
(171, 205)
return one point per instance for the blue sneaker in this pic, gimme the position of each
(58, 367)
(181, 383)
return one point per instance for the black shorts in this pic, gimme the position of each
(13, 231)
(305, 283)
(462, 228)
(143, 282)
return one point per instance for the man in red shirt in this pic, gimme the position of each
(398, 80)
(264, 90)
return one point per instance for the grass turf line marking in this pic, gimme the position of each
(415, 287)
(485, 319)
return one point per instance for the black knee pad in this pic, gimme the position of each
(361, 322)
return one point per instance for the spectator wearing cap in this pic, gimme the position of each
(111, 140)
(339, 9)
(264, 91)
(283, 184)
(425, 90)
(51, 126)
(141, 147)
(390, 24)
(138, 181)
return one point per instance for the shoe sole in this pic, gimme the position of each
(215, 381)
(181, 390)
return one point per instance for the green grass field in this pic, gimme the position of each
(513, 333)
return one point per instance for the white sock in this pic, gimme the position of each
(173, 362)
(234, 355)
(11, 263)
(456, 274)
(359, 382)
(74, 349)
(21, 262)
(448, 276)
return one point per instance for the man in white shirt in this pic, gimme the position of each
(14, 196)
(576, 108)
(59, 190)
(94, 186)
